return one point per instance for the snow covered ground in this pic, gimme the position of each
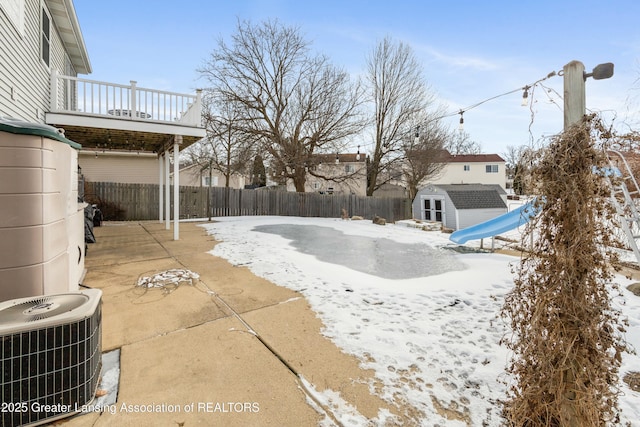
(431, 333)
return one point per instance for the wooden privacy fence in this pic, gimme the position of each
(140, 202)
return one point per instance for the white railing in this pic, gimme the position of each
(90, 97)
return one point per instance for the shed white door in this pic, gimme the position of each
(433, 209)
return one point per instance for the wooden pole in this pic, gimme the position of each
(574, 93)
(574, 111)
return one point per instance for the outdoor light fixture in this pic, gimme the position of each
(461, 126)
(525, 96)
(358, 154)
(601, 71)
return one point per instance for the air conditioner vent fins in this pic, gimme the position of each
(50, 356)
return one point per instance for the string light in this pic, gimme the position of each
(337, 159)
(358, 154)
(525, 96)
(525, 89)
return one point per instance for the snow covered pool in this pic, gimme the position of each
(381, 257)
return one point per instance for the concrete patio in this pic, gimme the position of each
(230, 350)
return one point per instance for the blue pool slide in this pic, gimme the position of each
(497, 225)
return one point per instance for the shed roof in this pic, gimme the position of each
(475, 196)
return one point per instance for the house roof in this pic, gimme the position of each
(475, 196)
(64, 16)
(474, 158)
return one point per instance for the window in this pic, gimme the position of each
(467, 168)
(45, 46)
(214, 180)
(492, 168)
(349, 168)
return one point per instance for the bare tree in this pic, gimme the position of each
(258, 172)
(519, 164)
(399, 94)
(293, 103)
(461, 143)
(425, 155)
(226, 149)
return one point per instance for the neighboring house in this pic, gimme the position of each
(473, 169)
(349, 171)
(195, 176)
(42, 51)
(459, 206)
(119, 166)
(391, 190)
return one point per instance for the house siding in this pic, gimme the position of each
(22, 71)
(454, 173)
(356, 184)
(191, 176)
(133, 169)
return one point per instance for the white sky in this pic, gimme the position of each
(470, 50)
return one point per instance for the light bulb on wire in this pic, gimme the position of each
(525, 96)
(461, 126)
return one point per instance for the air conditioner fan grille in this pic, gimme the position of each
(41, 308)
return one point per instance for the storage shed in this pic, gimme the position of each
(459, 206)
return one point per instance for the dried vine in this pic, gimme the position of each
(567, 339)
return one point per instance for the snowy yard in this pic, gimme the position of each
(427, 322)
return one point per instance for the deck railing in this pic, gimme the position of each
(90, 97)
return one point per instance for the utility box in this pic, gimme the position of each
(41, 220)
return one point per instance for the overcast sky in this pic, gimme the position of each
(471, 50)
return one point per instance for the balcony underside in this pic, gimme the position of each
(112, 133)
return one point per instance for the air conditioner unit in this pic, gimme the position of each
(50, 356)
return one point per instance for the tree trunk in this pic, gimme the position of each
(373, 175)
(299, 180)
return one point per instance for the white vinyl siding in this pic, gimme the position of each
(469, 217)
(455, 173)
(14, 10)
(24, 78)
(133, 169)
